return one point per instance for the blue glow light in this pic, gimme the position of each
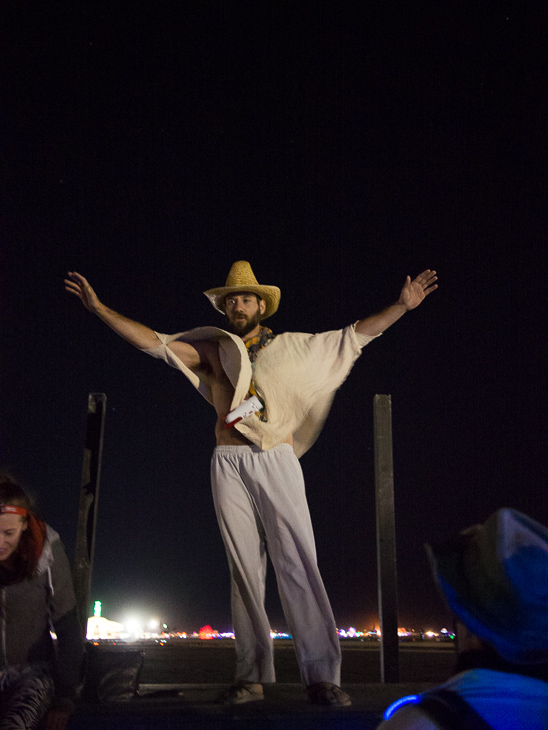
(409, 700)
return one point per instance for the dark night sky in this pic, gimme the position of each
(336, 146)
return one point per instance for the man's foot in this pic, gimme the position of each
(325, 693)
(243, 692)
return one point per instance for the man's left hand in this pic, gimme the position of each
(415, 291)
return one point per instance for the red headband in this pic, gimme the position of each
(9, 509)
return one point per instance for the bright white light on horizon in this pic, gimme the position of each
(133, 626)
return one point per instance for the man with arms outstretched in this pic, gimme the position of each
(257, 482)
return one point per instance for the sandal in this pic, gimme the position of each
(243, 692)
(325, 693)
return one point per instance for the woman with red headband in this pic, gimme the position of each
(38, 676)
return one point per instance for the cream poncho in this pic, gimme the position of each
(296, 376)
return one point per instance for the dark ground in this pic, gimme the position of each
(181, 683)
(213, 662)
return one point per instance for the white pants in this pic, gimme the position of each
(260, 501)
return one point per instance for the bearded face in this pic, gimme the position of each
(243, 312)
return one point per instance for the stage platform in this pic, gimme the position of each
(181, 683)
(198, 707)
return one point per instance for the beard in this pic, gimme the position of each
(242, 327)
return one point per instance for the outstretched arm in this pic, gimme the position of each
(139, 335)
(411, 295)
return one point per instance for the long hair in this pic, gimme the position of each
(32, 539)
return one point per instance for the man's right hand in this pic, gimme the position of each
(78, 285)
(135, 333)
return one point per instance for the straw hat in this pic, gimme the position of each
(241, 278)
(495, 578)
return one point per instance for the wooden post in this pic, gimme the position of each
(89, 496)
(386, 539)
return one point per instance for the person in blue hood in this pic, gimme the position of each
(494, 578)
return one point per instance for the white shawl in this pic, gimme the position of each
(296, 376)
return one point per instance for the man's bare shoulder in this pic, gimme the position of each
(208, 350)
(198, 356)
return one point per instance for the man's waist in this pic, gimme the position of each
(248, 448)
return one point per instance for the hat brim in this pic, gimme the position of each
(270, 294)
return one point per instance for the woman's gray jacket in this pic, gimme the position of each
(31, 609)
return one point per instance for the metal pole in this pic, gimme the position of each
(89, 496)
(386, 539)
